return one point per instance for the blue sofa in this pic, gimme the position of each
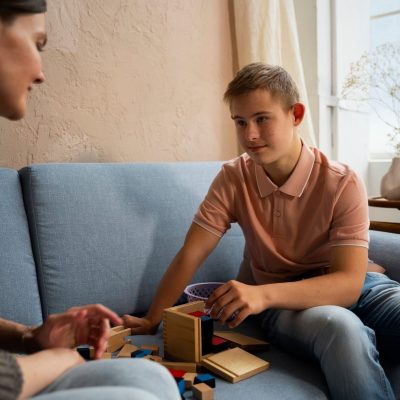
(104, 233)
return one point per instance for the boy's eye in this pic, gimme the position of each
(262, 120)
(240, 122)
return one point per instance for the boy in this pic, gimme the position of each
(305, 222)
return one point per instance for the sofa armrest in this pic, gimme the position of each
(384, 249)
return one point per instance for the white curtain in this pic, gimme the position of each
(266, 31)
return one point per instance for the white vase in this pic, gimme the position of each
(390, 183)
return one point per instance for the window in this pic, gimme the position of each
(384, 27)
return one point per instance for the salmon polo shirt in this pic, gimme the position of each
(289, 229)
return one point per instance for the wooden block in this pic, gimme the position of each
(117, 328)
(116, 340)
(127, 350)
(235, 364)
(182, 332)
(177, 373)
(189, 379)
(201, 391)
(218, 344)
(208, 379)
(188, 367)
(84, 352)
(243, 341)
(155, 350)
(181, 385)
(106, 356)
(139, 353)
(153, 358)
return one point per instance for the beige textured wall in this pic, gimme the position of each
(129, 80)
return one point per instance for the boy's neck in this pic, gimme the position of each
(280, 171)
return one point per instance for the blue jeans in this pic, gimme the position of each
(130, 379)
(344, 341)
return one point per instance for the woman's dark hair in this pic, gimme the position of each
(9, 9)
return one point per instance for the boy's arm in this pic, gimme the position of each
(199, 243)
(341, 286)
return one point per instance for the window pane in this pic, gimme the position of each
(383, 30)
(383, 6)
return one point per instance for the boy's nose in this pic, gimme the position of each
(251, 133)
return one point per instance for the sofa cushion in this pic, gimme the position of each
(384, 249)
(19, 294)
(107, 232)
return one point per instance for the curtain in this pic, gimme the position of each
(266, 31)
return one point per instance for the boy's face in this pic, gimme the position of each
(20, 62)
(266, 128)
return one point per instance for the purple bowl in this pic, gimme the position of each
(201, 291)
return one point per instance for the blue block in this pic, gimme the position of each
(208, 379)
(181, 385)
(140, 353)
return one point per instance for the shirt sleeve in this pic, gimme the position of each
(350, 222)
(10, 377)
(216, 212)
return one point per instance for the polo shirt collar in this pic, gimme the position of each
(297, 181)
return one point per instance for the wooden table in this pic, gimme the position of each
(393, 227)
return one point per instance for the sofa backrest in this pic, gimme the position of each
(19, 294)
(105, 233)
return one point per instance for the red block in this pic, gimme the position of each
(177, 373)
(217, 340)
(198, 314)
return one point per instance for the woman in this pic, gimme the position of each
(55, 370)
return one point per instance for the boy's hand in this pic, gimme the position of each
(139, 326)
(236, 297)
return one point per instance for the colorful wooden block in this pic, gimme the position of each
(116, 339)
(198, 314)
(201, 391)
(245, 342)
(188, 367)
(235, 364)
(182, 332)
(155, 350)
(177, 373)
(106, 356)
(207, 332)
(84, 351)
(181, 385)
(219, 344)
(140, 353)
(117, 328)
(208, 379)
(127, 350)
(153, 358)
(189, 379)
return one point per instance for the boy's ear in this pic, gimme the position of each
(298, 113)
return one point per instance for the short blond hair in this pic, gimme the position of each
(272, 78)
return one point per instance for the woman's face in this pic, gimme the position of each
(20, 63)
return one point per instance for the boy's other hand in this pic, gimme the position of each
(139, 326)
(236, 298)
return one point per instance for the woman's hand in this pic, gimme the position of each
(79, 325)
(140, 326)
(236, 299)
